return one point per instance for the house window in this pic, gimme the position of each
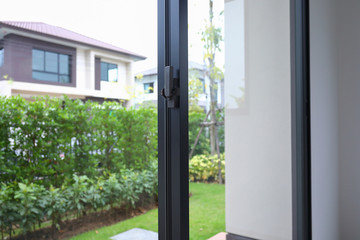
(50, 66)
(109, 72)
(1, 57)
(203, 84)
(216, 86)
(149, 87)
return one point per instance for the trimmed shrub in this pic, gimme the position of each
(48, 140)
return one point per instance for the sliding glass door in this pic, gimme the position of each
(243, 66)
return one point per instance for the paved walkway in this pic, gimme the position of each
(219, 236)
(141, 234)
(136, 234)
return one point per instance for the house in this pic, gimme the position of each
(146, 86)
(41, 59)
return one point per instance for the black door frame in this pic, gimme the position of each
(173, 122)
(300, 119)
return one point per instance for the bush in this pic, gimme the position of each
(32, 201)
(204, 168)
(48, 140)
(24, 205)
(203, 145)
(64, 157)
(9, 214)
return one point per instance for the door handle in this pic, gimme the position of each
(171, 90)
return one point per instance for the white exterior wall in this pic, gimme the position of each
(81, 69)
(5, 88)
(258, 137)
(90, 70)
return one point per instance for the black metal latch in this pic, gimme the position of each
(171, 91)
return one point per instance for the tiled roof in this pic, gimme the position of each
(61, 33)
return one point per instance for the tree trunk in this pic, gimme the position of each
(213, 100)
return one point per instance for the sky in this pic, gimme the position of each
(127, 24)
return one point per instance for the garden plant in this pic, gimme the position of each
(61, 157)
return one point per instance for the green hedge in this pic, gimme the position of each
(25, 205)
(49, 140)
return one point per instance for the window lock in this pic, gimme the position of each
(171, 90)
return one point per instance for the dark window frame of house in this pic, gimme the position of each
(43, 72)
(150, 88)
(106, 79)
(2, 52)
(18, 51)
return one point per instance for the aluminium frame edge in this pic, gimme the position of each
(300, 119)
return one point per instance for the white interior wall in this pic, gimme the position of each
(335, 55)
(324, 120)
(335, 101)
(349, 117)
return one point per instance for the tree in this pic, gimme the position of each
(196, 88)
(212, 37)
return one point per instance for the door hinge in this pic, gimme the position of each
(171, 90)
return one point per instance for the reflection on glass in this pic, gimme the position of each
(149, 87)
(45, 76)
(50, 66)
(109, 72)
(38, 60)
(64, 64)
(51, 62)
(257, 123)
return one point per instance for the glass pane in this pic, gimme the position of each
(64, 79)
(206, 120)
(112, 73)
(45, 76)
(104, 71)
(51, 62)
(38, 60)
(240, 128)
(148, 87)
(64, 64)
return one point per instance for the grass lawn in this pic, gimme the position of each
(207, 216)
